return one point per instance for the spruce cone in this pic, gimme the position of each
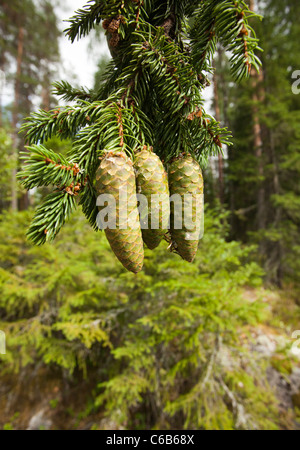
(185, 177)
(152, 182)
(114, 176)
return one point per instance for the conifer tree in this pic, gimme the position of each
(150, 95)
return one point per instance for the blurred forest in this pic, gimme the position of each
(212, 345)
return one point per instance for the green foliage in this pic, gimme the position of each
(166, 345)
(47, 223)
(45, 167)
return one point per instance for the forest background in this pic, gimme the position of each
(213, 345)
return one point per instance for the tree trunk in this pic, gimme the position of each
(14, 196)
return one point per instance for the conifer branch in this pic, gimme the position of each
(67, 92)
(43, 167)
(63, 122)
(236, 35)
(226, 22)
(110, 12)
(51, 216)
(85, 20)
(205, 136)
(203, 37)
(88, 201)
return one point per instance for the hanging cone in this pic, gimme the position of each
(116, 177)
(152, 182)
(185, 177)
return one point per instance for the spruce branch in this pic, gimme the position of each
(227, 22)
(85, 20)
(112, 13)
(63, 122)
(203, 37)
(67, 92)
(51, 216)
(173, 78)
(117, 128)
(236, 35)
(43, 167)
(189, 6)
(205, 136)
(88, 202)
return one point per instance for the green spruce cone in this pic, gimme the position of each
(152, 182)
(185, 177)
(116, 176)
